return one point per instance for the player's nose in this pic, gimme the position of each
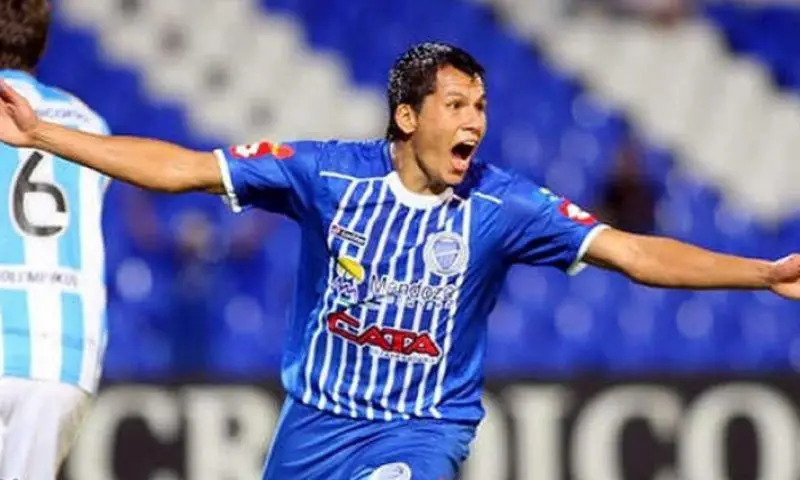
(474, 126)
(475, 121)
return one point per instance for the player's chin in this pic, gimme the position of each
(454, 177)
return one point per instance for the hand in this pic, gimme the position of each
(786, 277)
(18, 120)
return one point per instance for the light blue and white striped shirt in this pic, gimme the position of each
(52, 291)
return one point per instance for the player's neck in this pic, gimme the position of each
(411, 174)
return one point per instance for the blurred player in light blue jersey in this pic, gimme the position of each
(52, 296)
(406, 242)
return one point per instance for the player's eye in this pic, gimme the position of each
(455, 104)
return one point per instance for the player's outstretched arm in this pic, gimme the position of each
(149, 164)
(664, 262)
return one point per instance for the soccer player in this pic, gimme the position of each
(52, 294)
(405, 245)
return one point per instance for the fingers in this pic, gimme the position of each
(6, 92)
(788, 290)
(792, 261)
(788, 268)
(788, 260)
(8, 100)
(7, 110)
(10, 96)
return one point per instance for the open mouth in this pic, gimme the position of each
(462, 152)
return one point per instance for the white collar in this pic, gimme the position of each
(414, 199)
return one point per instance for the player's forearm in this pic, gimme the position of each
(149, 164)
(665, 262)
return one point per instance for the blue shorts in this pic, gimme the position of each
(313, 445)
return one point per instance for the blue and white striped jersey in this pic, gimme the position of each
(394, 287)
(52, 293)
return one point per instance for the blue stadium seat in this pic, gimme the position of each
(768, 33)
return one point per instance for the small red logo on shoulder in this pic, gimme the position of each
(282, 151)
(261, 149)
(576, 213)
(251, 150)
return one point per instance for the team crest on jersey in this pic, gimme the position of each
(261, 149)
(446, 253)
(392, 471)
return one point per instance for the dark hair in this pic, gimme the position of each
(413, 76)
(23, 33)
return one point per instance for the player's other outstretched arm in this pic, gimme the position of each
(664, 262)
(149, 164)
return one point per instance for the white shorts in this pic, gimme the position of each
(39, 421)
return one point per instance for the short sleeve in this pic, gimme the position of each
(278, 178)
(541, 228)
(102, 127)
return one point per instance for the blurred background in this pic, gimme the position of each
(668, 117)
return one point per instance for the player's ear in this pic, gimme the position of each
(406, 118)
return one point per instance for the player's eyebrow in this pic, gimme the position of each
(456, 93)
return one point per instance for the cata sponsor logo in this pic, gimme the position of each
(397, 343)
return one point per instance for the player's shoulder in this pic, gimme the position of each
(66, 107)
(354, 159)
(502, 187)
(55, 104)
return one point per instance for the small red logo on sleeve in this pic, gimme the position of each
(576, 213)
(261, 149)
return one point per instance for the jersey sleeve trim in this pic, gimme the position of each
(230, 198)
(488, 198)
(578, 265)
